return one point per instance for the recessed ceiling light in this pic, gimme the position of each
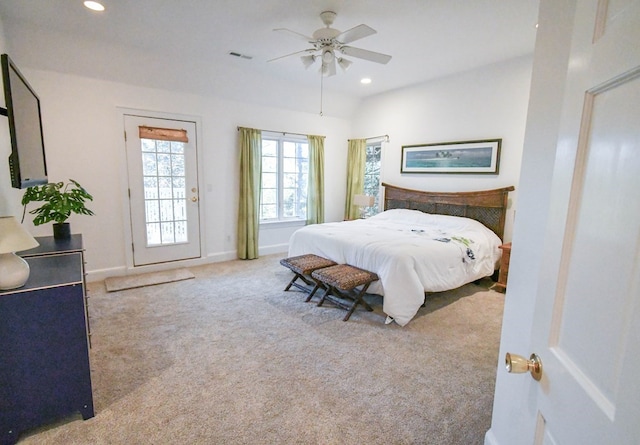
(365, 81)
(95, 6)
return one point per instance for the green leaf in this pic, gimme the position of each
(59, 201)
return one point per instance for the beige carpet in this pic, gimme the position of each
(114, 284)
(229, 358)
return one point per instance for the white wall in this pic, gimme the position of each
(84, 141)
(487, 103)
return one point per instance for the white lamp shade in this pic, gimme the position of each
(344, 63)
(14, 237)
(307, 61)
(363, 200)
(14, 271)
(327, 55)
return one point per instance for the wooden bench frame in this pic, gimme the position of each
(304, 270)
(337, 290)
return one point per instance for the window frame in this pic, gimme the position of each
(281, 139)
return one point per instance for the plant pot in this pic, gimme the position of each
(61, 230)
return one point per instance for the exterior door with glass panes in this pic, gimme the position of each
(163, 189)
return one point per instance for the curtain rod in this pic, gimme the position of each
(385, 137)
(281, 132)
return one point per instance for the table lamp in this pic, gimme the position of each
(363, 201)
(14, 271)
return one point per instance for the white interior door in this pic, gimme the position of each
(587, 321)
(163, 189)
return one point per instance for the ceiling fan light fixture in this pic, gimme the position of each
(307, 61)
(327, 55)
(344, 63)
(327, 44)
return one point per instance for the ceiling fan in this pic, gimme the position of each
(329, 44)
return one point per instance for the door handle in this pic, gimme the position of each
(194, 198)
(517, 364)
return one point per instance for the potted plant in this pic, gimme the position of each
(60, 200)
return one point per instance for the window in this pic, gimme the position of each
(372, 177)
(285, 173)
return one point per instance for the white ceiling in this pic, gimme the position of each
(185, 44)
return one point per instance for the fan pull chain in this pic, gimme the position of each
(321, 84)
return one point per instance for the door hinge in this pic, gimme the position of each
(129, 193)
(133, 247)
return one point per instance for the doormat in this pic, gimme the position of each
(114, 284)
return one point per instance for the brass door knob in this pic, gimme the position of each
(194, 198)
(517, 364)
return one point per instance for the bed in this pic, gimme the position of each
(421, 242)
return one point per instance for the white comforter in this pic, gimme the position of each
(412, 253)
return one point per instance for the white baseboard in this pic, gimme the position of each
(101, 274)
(276, 248)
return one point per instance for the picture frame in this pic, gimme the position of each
(470, 157)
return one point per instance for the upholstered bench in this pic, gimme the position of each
(302, 266)
(341, 282)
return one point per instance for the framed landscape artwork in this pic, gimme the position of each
(475, 157)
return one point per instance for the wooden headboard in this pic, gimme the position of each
(487, 206)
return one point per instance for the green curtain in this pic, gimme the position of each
(315, 192)
(249, 202)
(356, 160)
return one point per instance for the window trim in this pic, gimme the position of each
(281, 138)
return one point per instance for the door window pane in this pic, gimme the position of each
(152, 210)
(164, 165)
(164, 191)
(153, 234)
(164, 187)
(181, 232)
(149, 165)
(150, 187)
(179, 187)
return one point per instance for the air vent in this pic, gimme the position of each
(242, 56)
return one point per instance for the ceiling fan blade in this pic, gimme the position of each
(355, 33)
(310, 50)
(295, 34)
(365, 54)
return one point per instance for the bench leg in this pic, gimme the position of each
(355, 296)
(295, 277)
(326, 292)
(298, 285)
(358, 300)
(313, 292)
